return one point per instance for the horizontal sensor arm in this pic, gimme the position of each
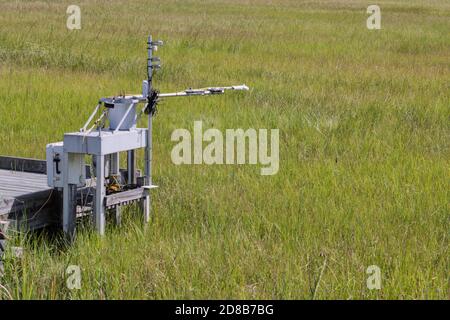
(202, 92)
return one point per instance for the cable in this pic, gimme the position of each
(42, 207)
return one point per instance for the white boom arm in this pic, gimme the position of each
(202, 92)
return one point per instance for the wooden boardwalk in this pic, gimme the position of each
(28, 203)
(25, 198)
(16, 184)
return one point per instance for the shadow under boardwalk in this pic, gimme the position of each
(26, 200)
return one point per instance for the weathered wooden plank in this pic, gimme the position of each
(24, 174)
(125, 196)
(48, 216)
(4, 224)
(23, 164)
(17, 184)
(24, 202)
(36, 210)
(18, 164)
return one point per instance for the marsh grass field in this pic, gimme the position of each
(364, 120)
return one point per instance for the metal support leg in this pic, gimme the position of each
(72, 209)
(146, 208)
(100, 195)
(131, 166)
(108, 171)
(69, 202)
(115, 170)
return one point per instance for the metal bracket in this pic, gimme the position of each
(150, 187)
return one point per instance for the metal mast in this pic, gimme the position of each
(152, 97)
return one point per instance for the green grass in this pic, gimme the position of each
(364, 121)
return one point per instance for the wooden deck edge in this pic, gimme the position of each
(32, 211)
(23, 164)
